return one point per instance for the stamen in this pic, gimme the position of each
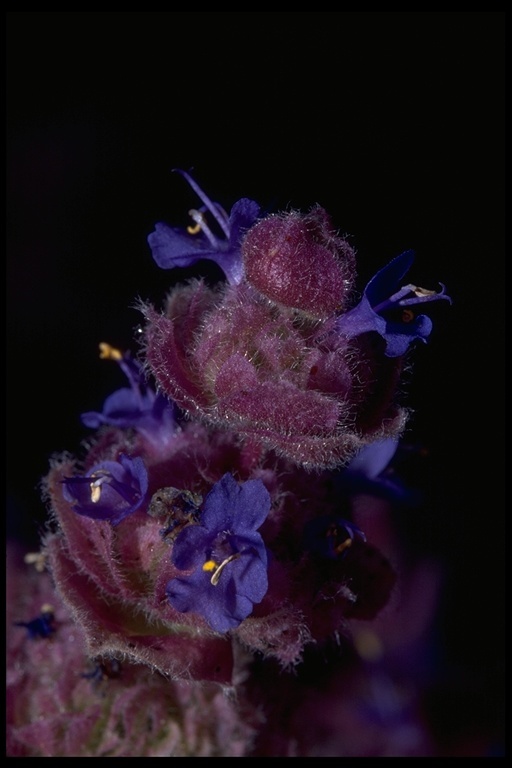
(109, 353)
(210, 565)
(343, 546)
(219, 215)
(201, 226)
(420, 296)
(96, 487)
(216, 575)
(421, 291)
(199, 218)
(423, 294)
(37, 559)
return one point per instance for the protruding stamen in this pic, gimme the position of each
(96, 487)
(216, 574)
(109, 353)
(215, 210)
(421, 295)
(343, 546)
(201, 226)
(37, 559)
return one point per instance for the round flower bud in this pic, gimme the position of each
(296, 260)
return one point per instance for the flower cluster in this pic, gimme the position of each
(210, 521)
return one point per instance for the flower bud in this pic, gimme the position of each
(296, 260)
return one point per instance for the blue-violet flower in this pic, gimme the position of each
(137, 406)
(330, 536)
(369, 473)
(225, 554)
(173, 247)
(377, 310)
(42, 626)
(111, 490)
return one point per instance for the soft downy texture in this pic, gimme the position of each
(223, 533)
(61, 702)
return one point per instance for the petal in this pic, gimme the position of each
(196, 594)
(243, 215)
(360, 319)
(250, 575)
(172, 247)
(252, 506)
(399, 336)
(220, 504)
(120, 408)
(373, 459)
(190, 547)
(386, 281)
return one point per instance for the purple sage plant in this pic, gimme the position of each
(226, 524)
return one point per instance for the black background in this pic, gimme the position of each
(393, 121)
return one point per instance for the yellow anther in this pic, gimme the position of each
(199, 221)
(47, 608)
(95, 491)
(210, 565)
(37, 559)
(344, 545)
(109, 353)
(419, 292)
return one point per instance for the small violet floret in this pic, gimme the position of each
(137, 406)
(331, 536)
(174, 247)
(111, 490)
(386, 308)
(225, 555)
(369, 473)
(42, 626)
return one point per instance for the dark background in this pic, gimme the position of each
(393, 121)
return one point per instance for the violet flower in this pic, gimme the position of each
(42, 626)
(111, 490)
(226, 555)
(369, 473)
(331, 536)
(173, 247)
(137, 406)
(377, 310)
